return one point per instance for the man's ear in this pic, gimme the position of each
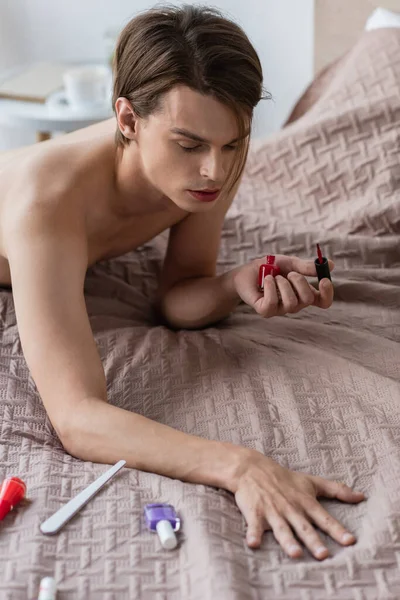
(126, 118)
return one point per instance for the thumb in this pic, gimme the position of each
(335, 489)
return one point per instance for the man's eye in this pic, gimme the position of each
(188, 148)
(193, 148)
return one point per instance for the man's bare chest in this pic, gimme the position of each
(114, 237)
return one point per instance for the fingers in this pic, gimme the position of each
(297, 293)
(290, 295)
(284, 536)
(283, 295)
(302, 288)
(307, 534)
(293, 522)
(328, 524)
(269, 304)
(289, 299)
(306, 267)
(256, 526)
(282, 532)
(300, 521)
(324, 298)
(335, 489)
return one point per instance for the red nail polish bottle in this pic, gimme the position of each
(11, 492)
(270, 268)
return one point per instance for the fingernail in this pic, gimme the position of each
(252, 540)
(321, 550)
(294, 548)
(348, 537)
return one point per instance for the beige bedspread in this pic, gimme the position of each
(318, 391)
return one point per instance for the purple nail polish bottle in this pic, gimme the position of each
(163, 519)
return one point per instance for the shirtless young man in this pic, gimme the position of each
(182, 77)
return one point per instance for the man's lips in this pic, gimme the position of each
(204, 196)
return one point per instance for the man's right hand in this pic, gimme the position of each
(271, 497)
(286, 293)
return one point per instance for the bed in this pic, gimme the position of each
(318, 391)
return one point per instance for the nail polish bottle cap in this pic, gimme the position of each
(166, 535)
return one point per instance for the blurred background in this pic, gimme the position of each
(80, 31)
(285, 33)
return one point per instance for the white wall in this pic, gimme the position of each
(281, 31)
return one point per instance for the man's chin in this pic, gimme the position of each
(184, 204)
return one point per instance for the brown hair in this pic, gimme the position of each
(191, 45)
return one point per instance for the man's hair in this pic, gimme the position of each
(190, 45)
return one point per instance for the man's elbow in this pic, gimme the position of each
(175, 320)
(74, 430)
(67, 434)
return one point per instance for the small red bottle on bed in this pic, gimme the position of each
(270, 268)
(11, 492)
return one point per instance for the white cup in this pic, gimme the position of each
(87, 86)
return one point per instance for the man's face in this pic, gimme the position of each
(173, 161)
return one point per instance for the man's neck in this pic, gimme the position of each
(134, 194)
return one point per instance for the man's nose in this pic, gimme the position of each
(213, 168)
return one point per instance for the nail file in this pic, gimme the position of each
(54, 523)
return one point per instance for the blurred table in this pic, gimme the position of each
(55, 115)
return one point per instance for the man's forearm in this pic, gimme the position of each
(198, 302)
(104, 433)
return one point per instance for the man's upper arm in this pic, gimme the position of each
(193, 246)
(47, 254)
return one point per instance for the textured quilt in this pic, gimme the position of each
(318, 391)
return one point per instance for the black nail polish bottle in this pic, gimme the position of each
(322, 265)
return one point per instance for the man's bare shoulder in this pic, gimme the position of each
(39, 185)
(52, 173)
(8, 158)
(41, 198)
